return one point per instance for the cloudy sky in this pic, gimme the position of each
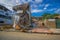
(38, 7)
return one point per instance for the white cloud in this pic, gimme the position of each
(26, 1)
(23, 1)
(45, 8)
(57, 11)
(38, 1)
(29, 0)
(53, 9)
(35, 11)
(46, 5)
(34, 6)
(17, 2)
(10, 3)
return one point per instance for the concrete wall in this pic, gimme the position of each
(50, 23)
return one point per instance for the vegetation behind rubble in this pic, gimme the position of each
(49, 15)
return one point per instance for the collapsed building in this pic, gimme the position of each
(22, 17)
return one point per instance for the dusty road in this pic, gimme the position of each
(27, 36)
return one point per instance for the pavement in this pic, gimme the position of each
(56, 30)
(27, 36)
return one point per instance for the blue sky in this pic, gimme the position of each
(38, 7)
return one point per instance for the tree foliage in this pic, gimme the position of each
(49, 15)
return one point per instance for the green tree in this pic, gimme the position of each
(49, 15)
(46, 16)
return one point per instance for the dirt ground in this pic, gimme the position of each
(27, 36)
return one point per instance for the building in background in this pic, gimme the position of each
(5, 15)
(50, 23)
(53, 23)
(5, 18)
